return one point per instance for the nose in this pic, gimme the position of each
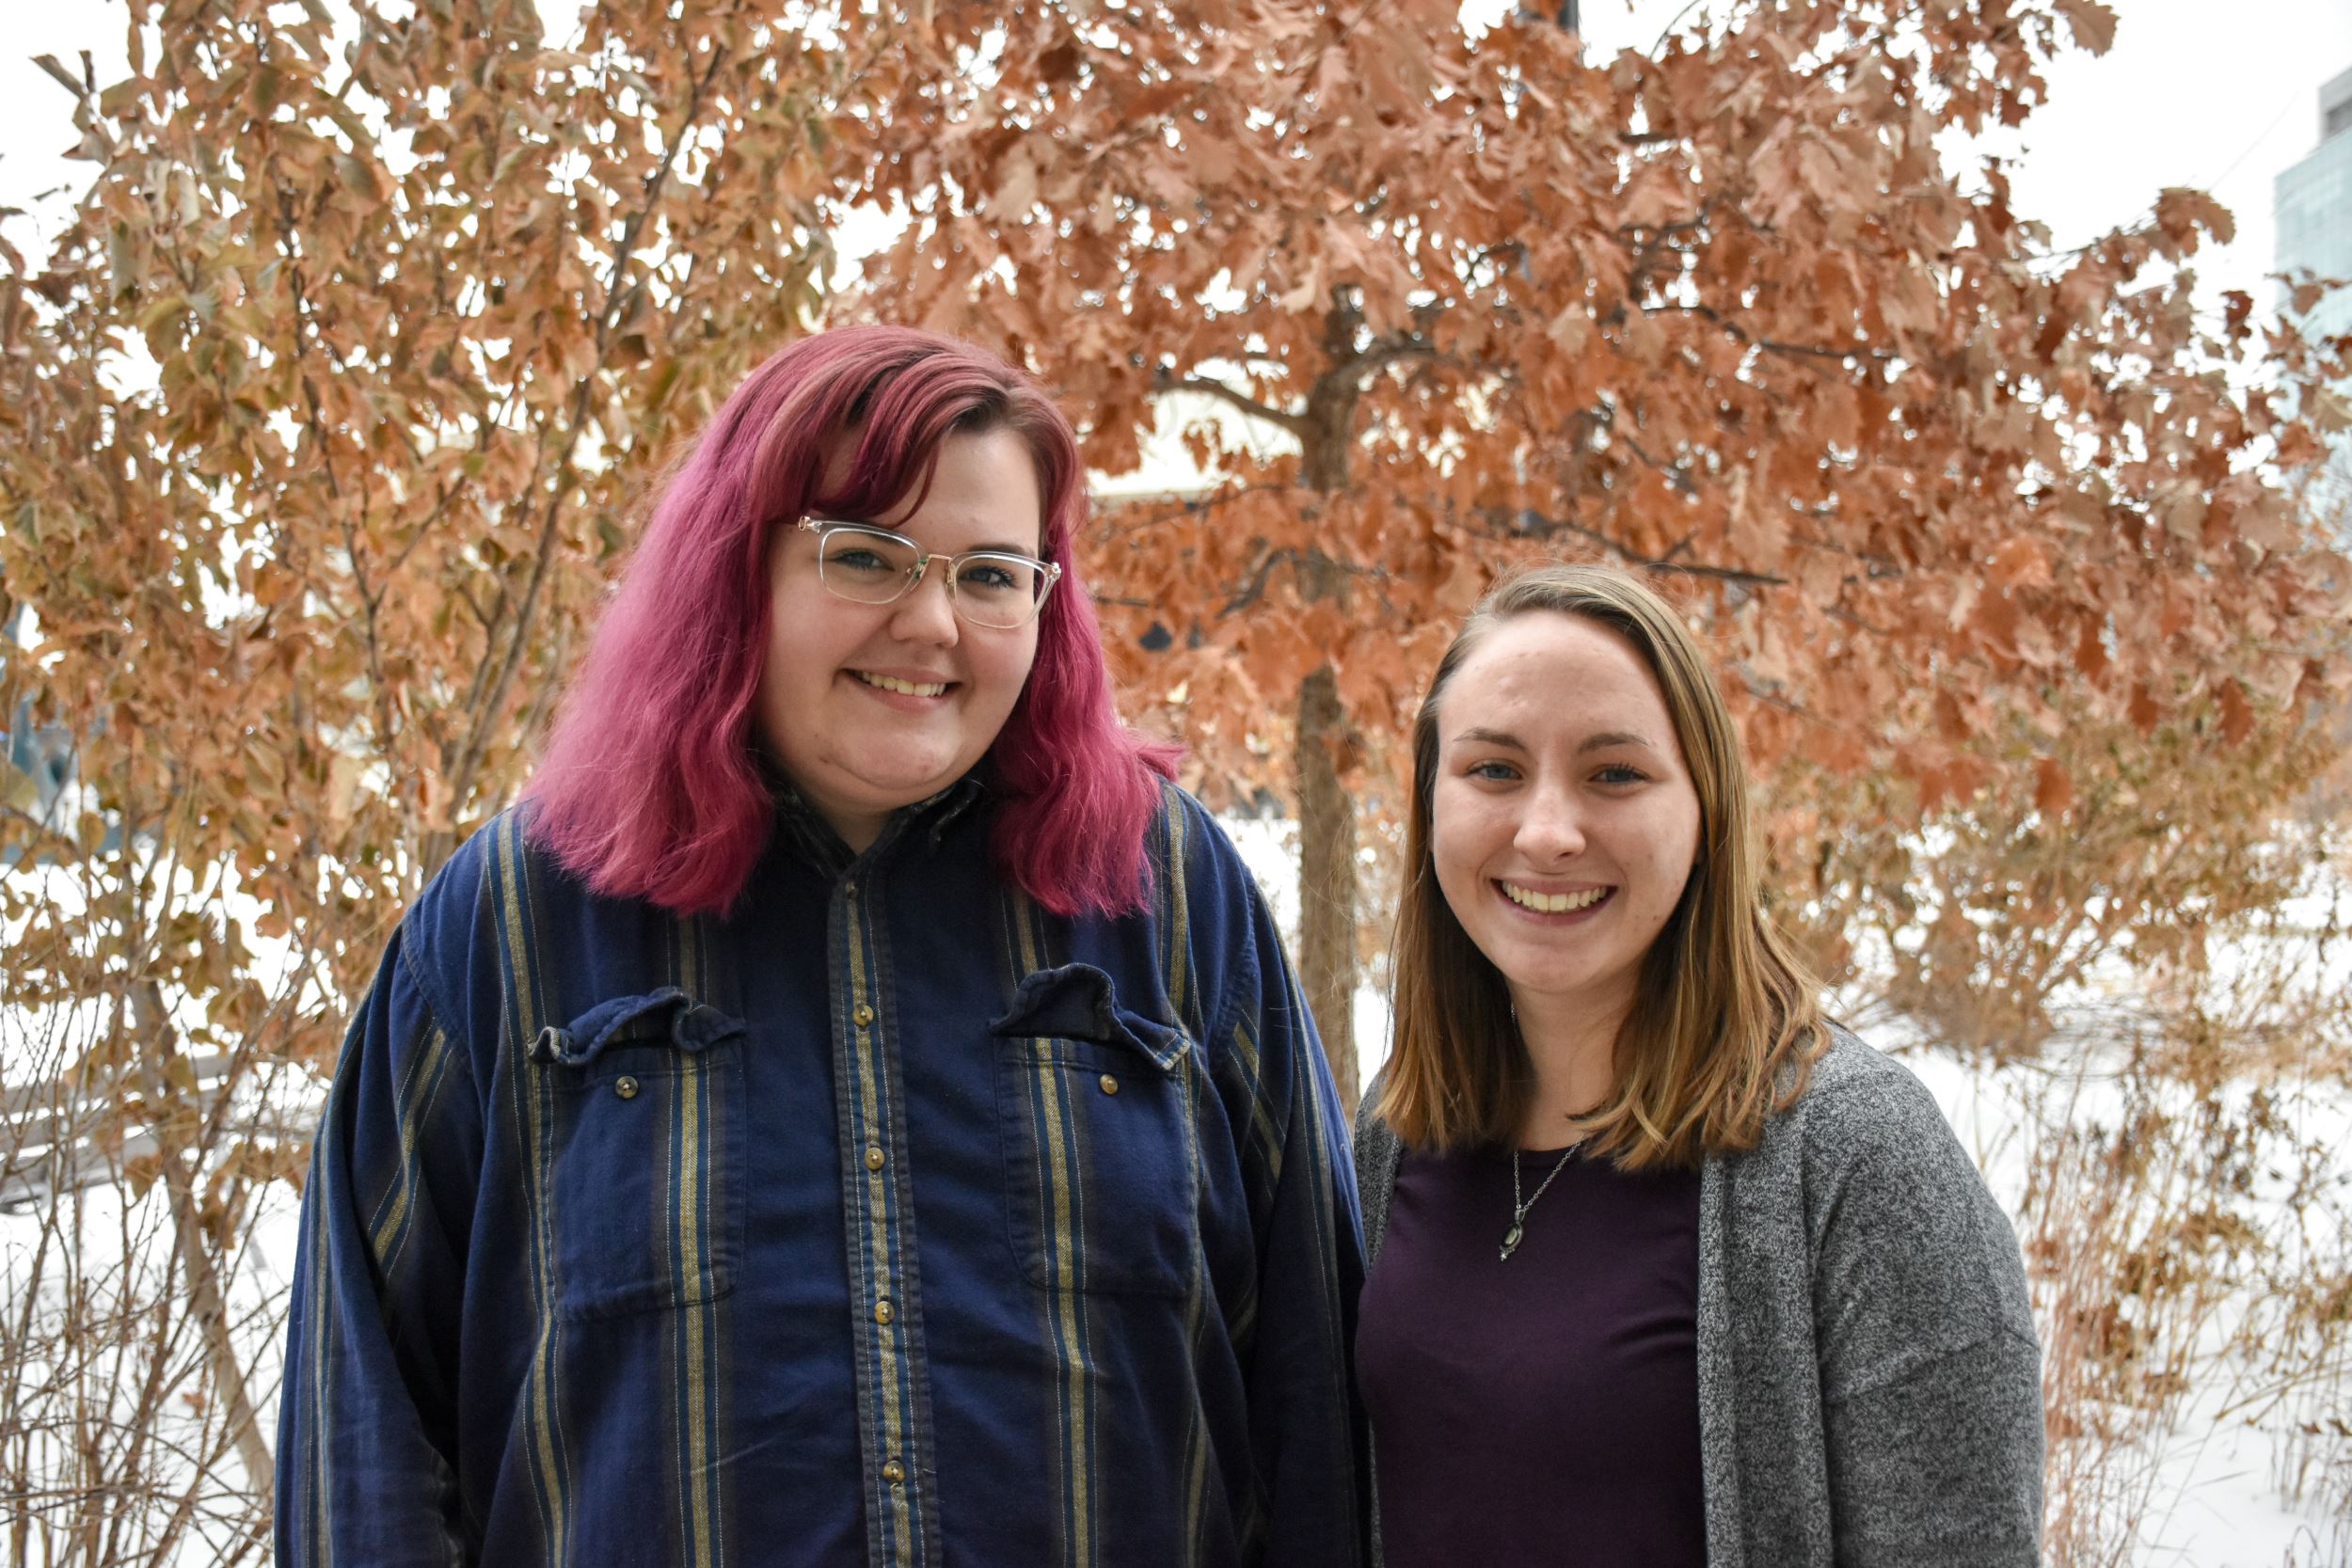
(925, 612)
(1550, 829)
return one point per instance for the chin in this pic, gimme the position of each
(1543, 979)
(893, 787)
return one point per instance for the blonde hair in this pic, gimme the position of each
(1725, 1022)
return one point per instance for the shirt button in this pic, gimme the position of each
(873, 1157)
(1110, 1085)
(894, 1472)
(624, 1087)
(865, 1015)
(883, 1312)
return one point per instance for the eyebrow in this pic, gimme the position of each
(1035, 552)
(1480, 736)
(1607, 738)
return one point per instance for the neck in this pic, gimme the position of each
(1572, 1043)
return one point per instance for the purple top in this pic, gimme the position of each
(1544, 1409)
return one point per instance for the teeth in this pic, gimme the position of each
(891, 683)
(1553, 903)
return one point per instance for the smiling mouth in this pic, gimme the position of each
(1554, 903)
(907, 689)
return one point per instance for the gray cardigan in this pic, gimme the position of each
(1869, 1383)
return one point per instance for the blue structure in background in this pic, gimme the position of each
(40, 755)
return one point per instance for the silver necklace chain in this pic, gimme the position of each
(1518, 1232)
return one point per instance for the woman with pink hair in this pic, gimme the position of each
(856, 1109)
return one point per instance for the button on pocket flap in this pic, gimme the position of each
(667, 1016)
(1077, 1002)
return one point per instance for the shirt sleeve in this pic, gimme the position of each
(1305, 1423)
(367, 1424)
(1931, 1372)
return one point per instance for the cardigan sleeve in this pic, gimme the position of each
(1378, 1152)
(1931, 1372)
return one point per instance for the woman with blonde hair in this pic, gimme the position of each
(1668, 1268)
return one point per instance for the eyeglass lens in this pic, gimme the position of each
(990, 588)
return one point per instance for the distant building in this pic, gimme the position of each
(2313, 201)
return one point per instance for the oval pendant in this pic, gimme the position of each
(1510, 1242)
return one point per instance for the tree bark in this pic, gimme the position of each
(1327, 816)
(1326, 878)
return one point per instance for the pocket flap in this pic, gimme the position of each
(665, 1016)
(1077, 1002)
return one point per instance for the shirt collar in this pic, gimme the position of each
(805, 831)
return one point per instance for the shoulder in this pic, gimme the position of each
(1369, 1128)
(1377, 1151)
(1858, 1099)
(448, 920)
(498, 900)
(1866, 1145)
(452, 895)
(1869, 1158)
(1209, 908)
(1191, 847)
(496, 868)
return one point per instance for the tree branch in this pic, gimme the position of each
(478, 736)
(1529, 520)
(1770, 346)
(1165, 381)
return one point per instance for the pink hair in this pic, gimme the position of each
(651, 786)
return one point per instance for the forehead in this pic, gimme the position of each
(1546, 675)
(983, 493)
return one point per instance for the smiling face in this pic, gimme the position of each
(1564, 822)
(871, 707)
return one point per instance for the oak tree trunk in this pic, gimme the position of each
(1326, 878)
(1327, 816)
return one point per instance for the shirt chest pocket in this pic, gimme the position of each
(643, 1104)
(1102, 1167)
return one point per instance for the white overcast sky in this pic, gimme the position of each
(2218, 94)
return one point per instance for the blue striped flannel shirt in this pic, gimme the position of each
(888, 1220)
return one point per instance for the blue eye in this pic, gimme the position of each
(1493, 772)
(1620, 774)
(989, 577)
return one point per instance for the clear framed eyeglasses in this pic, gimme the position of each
(865, 564)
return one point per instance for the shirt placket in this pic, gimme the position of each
(892, 1383)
